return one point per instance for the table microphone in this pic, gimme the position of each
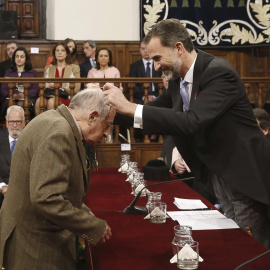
(138, 210)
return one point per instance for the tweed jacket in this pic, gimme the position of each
(43, 210)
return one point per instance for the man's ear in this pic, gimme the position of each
(179, 47)
(92, 117)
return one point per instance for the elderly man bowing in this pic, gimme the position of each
(43, 209)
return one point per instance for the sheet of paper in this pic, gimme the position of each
(203, 220)
(209, 224)
(187, 215)
(185, 204)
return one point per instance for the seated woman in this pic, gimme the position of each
(60, 68)
(104, 67)
(72, 46)
(21, 67)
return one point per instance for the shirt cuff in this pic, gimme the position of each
(138, 117)
(2, 184)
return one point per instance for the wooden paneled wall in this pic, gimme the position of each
(27, 15)
(249, 62)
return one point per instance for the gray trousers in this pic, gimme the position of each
(245, 211)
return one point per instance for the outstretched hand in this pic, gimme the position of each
(116, 99)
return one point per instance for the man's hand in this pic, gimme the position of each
(3, 190)
(106, 236)
(179, 166)
(91, 213)
(151, 98)
(116, 99)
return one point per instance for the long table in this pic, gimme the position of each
(138, 244)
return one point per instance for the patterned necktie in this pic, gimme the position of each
(12, 147)
(93, 62)
(183, 92)
(148, 75)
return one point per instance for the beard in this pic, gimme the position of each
(15, 133)
(174, 69)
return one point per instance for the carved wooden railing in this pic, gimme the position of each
(258, 90)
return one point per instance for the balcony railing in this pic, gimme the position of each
(258, 90)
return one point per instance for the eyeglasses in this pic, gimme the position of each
(17, 122)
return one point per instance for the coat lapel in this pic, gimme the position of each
(52, 70)
(142, 68)
(67, 74)
(198, 69)
(5, 146)
(67, 115)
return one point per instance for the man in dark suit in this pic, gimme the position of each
(43, 209)
(11, 46)
(139, 69)
(89, 49)
(143, 68)
(213, 125)
(15, 123)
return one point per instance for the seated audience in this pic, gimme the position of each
(60, 68)
(20, 67)
(8, 136)
(263, 120)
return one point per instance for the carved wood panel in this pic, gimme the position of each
(248, 62)
(27, 15)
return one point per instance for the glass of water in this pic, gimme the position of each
(188, 255)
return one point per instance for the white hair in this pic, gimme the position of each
(16, 108)
(88, 100)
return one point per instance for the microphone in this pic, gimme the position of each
(139, 210)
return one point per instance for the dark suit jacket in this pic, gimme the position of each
(4, 66)
(5, 159)
(137, 70)
(218, 131)
(43, 209)
(85, 67)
